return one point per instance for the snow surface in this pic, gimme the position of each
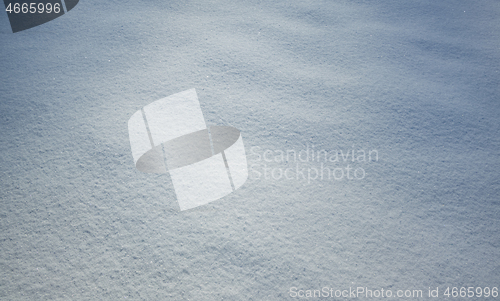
(417, 81)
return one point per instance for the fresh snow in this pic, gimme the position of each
(416, 81)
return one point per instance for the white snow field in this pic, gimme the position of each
(415, 85)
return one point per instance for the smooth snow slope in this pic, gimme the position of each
(417, 81)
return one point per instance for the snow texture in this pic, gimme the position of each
(413, 84)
